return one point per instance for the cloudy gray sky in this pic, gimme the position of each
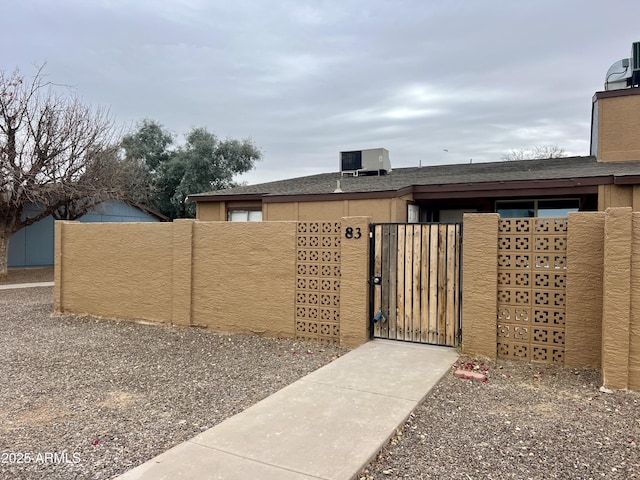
(306, 79)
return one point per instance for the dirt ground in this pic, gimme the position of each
(29, 275)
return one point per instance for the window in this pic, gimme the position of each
(537, 208)
(244, 215)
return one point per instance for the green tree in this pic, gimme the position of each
(55, 153)
(203, 163)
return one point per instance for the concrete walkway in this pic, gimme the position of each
(327, 425)
(12, 286)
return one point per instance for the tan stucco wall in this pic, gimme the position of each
(618, 128)
(118, 270)
(228, 276)
(321, 211)
(585, 261)
(280, 212)
(211, 211)
(480, 284)
(634, 321)
(616, 314)
(354, 283)
(379, 210)
(182, 271)
(400, 210)
(618, 196)
(244, 277)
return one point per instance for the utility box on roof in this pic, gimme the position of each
(374, 161)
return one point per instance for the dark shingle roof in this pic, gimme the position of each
(400, 178)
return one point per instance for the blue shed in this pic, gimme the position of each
(33, 245)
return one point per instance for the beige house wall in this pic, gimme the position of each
(618, 126)
(610, 196)
(280, 212)
(321, 211)
(211, 211)
(381, 210)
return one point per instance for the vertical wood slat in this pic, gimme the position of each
(433, 283)
(451, 284)
(419, 295)
(400, 282)
(442, 282)
(424, 285)
(393, 281)
(417, 262)
(386, 273)
(377, 271)
(408, 283)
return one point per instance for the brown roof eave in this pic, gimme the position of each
(225, 198)
(507, 188)
(328, 197)
(626, 180)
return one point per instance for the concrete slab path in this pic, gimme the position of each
(327, 425)
(12, 286)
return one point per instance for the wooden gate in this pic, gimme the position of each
(415, 286)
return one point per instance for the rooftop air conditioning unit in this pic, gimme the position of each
(635, 64)
(625, 73)
(374, 161)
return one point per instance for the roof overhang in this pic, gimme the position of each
(572, 186)
(514, 188)
(199, 197)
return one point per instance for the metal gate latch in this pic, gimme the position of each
(379, 317)
(377, 280)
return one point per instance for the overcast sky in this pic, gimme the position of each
(307, 79)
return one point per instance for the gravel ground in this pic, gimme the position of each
(84, 398)
(110, 395)
(527, 421)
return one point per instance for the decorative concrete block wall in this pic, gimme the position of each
(279, 279)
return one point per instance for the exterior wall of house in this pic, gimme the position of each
(211, 211)
(618, 196)
(617, 125)
(280, 212)
(381, 210)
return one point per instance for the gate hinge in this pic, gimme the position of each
(370, 234)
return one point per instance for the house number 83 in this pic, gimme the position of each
(352, 232)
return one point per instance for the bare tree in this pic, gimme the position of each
(541, 151)
(56, 155)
